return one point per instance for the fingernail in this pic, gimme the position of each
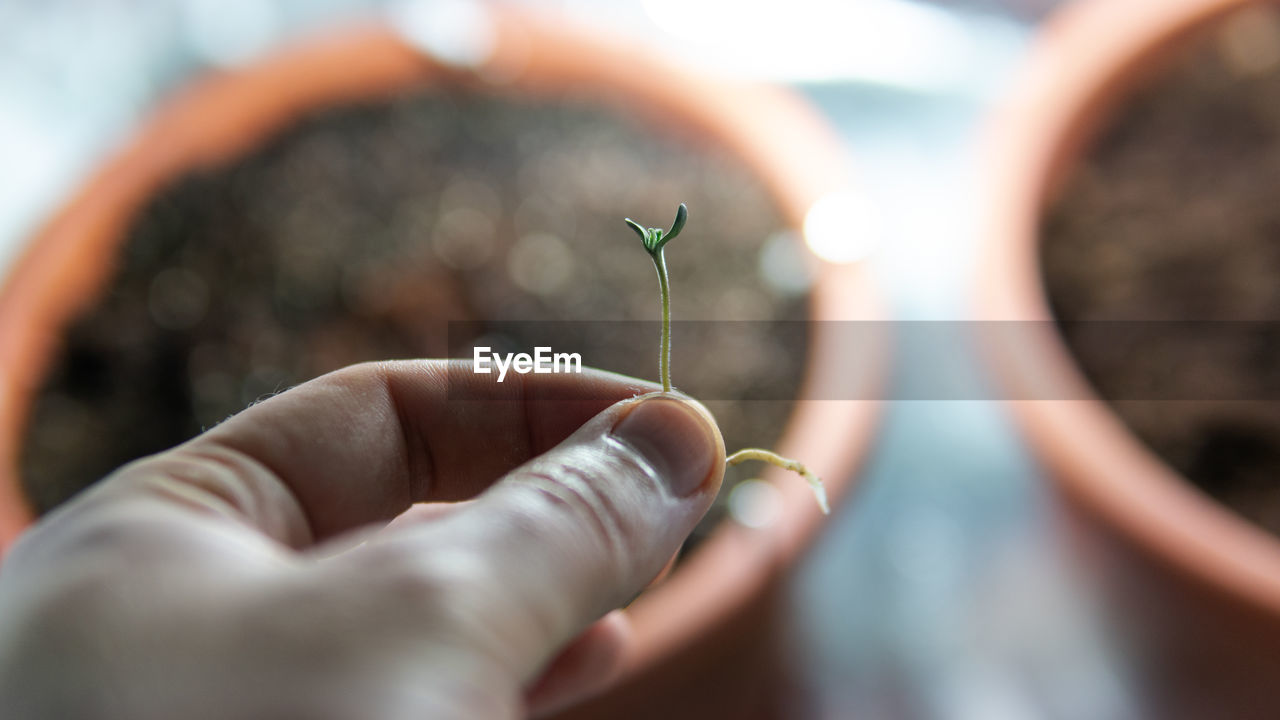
(675, 438)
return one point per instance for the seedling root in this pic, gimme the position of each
(786, 463)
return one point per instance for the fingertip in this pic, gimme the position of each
(585, 667)
(679, 437)
(666, 570)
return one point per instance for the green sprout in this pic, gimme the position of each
(654, 240)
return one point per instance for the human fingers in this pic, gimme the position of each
(573, 533)
(362, 444)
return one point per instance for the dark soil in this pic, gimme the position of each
(358, 233)
(1174, 217)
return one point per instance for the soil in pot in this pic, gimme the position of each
(358, 233)
(1169, 232)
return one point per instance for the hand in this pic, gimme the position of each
(251, 572)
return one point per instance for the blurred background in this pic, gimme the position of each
(938, 592)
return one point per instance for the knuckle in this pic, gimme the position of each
(212, 478)
(590, 497)
(216, 479)
(423, 584)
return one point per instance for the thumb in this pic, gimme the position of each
(581, 529)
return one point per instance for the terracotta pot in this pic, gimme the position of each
(1193, 589)
(703, 634)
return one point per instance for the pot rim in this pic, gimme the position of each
(781, 139)
(1086, 60)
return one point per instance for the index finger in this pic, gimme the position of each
(360, 445)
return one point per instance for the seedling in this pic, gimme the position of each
(654, 240)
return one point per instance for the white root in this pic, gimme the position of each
(773, 458)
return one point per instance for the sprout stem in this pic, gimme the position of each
(654, 239)
(664, 353)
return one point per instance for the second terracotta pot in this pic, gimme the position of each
(1192, 590)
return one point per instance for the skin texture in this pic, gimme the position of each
(252, 573)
